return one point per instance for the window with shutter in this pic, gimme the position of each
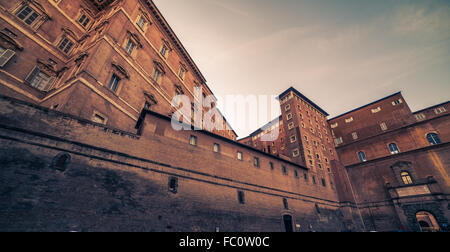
(5, 56)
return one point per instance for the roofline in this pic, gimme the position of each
(434, 106)
(303, 97)
(346, 113)
(260, 128)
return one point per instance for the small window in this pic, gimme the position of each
(285, 204)
(355, 136)
(142, 22)
(305, 176)
(314, 179)
(173, 185)
(338, 141)
(129, 48)
(349, 120)
(393, 148)
(296, 173)
(295, 153)
(406, 178)
(98, 118)
(291, 125)
(433, 139)
(256, 162)
(27, 14)
(287, 108)
(289, 116)
(420, 117)
(164, 51)
(284, 169)
(376, 110)
(271, 166)
(240, 156)
(156, 74)
(397, 102)
(61, 161)
(324, 183)
(114, 82)
(5, 56)
(193, 141)
(335, 125)
(383, 126)
(241, 197)
(216, 148)
(40, 80)
(440, 110)
(293, 139)
(65, 45)
(182, 73)
(362, 157)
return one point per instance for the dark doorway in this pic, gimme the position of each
(287, 219)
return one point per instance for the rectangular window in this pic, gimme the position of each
(420, 117)
(164, 51)
(156, 74)
(293, 139)
(335, 125)
(376, 110)
(241, 197)
(355, 135)
(271, 166)
(256, 162)
(5, 56)
(84, 20)
(440, 110)
(284, 170)
(98, 118)
(338, 141)
(27, 14)
(181, 73)
(142, 23)
(40, 80)
(291, 125)
(289, 116)
(287, 108)
(65, 45)
(216, 148)
(349, 120)
(383, 126)
(240, 156)
(114, 82)
(193, 141)
(397, 102)
(295, 153)
(324, 184)
(130, 47)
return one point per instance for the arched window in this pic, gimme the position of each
(394, 148)
(433, 138)
(406, 178)
(362, 157)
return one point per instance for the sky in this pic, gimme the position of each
(341, 54)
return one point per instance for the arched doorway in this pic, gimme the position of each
(427, 222)
(288, 224)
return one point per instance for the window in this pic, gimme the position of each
(296, 173)
(256, 162)
(376, 110)
(433, 139)
(338, 141)
(241, 197)
(27, 14)
(349, 120)
(362, 157)
(156, 74)
(335, 125)
(5, 56)
(397, 102)
(284, 170)
(61, 161)
(240, 156)
(291, 125)
(440, 110)
(130, 47)
(289, 116)
(182, 73)
(355, 135)
(285, 204)
(295, 153)
(84, 20)
(114, 82)
(406, 178)
(293, 139)
(97, 118)
(40, 80)
(164, 50)
(193, 140)
(216, 148)
(271, 166)
(173, 185)
(314, 179)
(383, 126)
(288, 107)
(393, 148)
(142, 22)
(65, 45)
(305, 176)
(420, 117)
(324, 183)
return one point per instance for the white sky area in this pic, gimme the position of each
(340, 54)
